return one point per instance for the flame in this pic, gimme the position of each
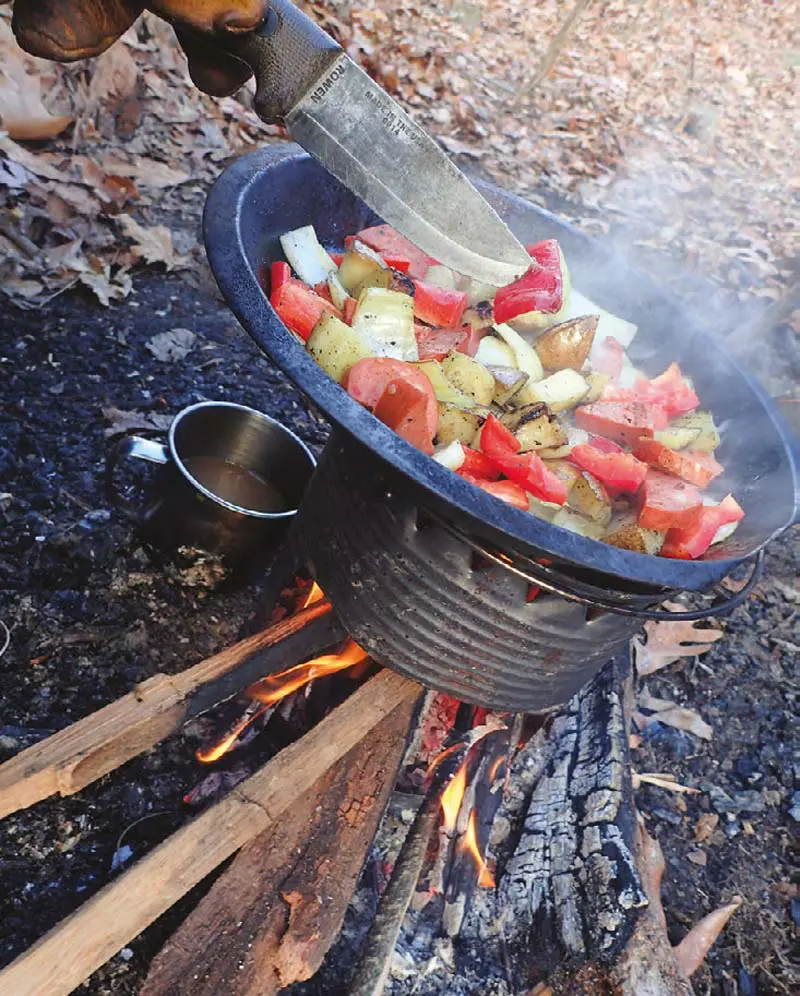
(469, 844)
(315, 594)
(275, 687)
(452, 796)
(495, 768)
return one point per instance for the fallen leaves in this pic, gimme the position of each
(705, 827)
(692, 950)
(670, 714)
(667, 642)
(172, 345)
(22, 113)
(121, 421)
(153, 245)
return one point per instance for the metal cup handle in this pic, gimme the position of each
(122, 448)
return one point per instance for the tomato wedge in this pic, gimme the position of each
(672, 390)
(472, 340)
(697, 468)
(399, 394)
(435, 344)
(350, 307)
(530, 472)
(299, 308)
(667, 502)
(497, 440)
(477, 464)
(620, 472)
(437, 305)
(692, 542)
(607, 358)
(391, 244)
(540, 289)
(625, 423)
(605, 445)
(506, 491)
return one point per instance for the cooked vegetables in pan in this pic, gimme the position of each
(526, 392)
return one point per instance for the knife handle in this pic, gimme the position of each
(287, 52)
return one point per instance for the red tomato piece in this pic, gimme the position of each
(477, 464)
(608, 358)
(620, 472)
(472, 340)
(390, 243)
(506, 491)
(370, 379)
(697, 468)
(438, 306)
(540, 289)
(337, 257)
(279, 273)
(691, 542)
(299, 308)
(625, 423)
(350, 305)
(668, 502)
(605, 445)
(403, 406)
(530, 472)
(533, 591)
(435, 344)
(323, 290)
(497, 440)
(678, 396)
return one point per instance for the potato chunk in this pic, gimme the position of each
(567, 345)
(336, 346)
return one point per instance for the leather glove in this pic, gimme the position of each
(66, 30)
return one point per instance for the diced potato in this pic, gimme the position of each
(675, 436)
(535, 427)
(560, 391)
(707, 439)
(357, 266)
(588, 496)
(385, 318)
(564, 471)
(575, 437)
(456, 424)
(527, 359)
(445, 392)
(336, 346)
(375, 278)
(546, 510)
(577, 523)
(567, 345)
(480, 314)
(493, 352)
(507, 382)
(626, 534)
(469, 377)
(597, 384)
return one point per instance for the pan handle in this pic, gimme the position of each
(618, 602)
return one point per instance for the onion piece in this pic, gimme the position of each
(493, 352)
(306, 256)
(724, 532)
(338, 294)
(526, 357)
(450, 456)
(386, 319)
(609, 325)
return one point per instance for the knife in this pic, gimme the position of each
(332, 108)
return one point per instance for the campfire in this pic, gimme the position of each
(401, 833)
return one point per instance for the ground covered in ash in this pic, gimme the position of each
(89, 615)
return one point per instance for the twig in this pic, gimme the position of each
(553, 52)
(7, 640)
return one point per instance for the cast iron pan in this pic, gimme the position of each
(266, 193)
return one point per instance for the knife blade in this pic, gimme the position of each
(332, 108)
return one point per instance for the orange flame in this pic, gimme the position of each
(452, 796)
(470, 845)
(275, 687)
(495, 768)
(315, 594)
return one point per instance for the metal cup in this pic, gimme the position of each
(181, 511)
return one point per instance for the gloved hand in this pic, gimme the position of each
(66, 30)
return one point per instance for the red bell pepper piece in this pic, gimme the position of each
(299, 308)
(533, 591)
(697, 468)
(620, 472)
(473, 339)
(506, 491)
(667, 502)
(692, 542)
(379, 380)
(350, 306)
(438, 306)
(540, 289)
(477, 464)
(324, 291)
(279, 273)
(391, 244)
(497, 440)
(435, 344)
(337, 257)
(608, 358)
(625, 423)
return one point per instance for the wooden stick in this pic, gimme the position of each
(86, 939)
(553, 51)
(99, 743)
(270, 918)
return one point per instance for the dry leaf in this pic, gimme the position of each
(153, 245)
(662, 780)
(698, 857)
(133, 421)
(22, 112)
(674, 715)
(705, 826)
(146, 172)
(692, 950)
(115, 73)
(667, 642)
(172, 345)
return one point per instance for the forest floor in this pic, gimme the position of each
(664, 127)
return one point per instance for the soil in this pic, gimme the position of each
(89, 615)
